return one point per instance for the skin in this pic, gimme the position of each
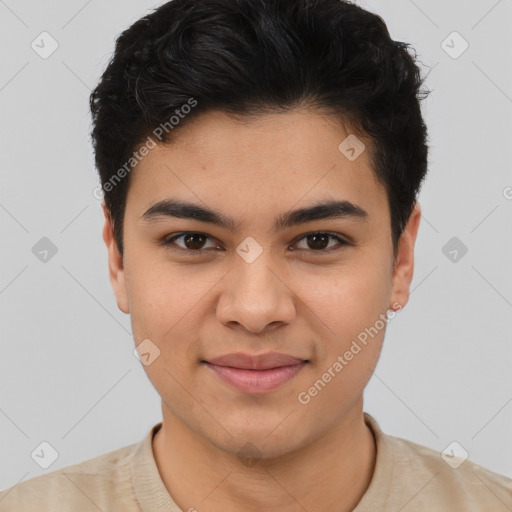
(314, 456)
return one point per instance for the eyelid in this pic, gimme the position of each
(342, 242)
(168, 240)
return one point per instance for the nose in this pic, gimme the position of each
(256, 297)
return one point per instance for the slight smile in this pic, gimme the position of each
(256, 374)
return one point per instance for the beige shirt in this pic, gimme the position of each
(407, 478)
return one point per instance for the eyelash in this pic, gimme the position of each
(168, 241)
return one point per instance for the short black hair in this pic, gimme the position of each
(251, 57)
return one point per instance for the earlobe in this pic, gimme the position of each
(115, 263)
(404, 263)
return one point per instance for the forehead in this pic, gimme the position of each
(258, 163)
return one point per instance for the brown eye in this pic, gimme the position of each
(192, 242)
(319, 242)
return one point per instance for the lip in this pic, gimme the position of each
(256, 373)
(265, 361)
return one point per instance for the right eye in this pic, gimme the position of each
(191, 238)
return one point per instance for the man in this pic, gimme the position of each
(261, 162)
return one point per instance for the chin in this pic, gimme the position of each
(257, 443)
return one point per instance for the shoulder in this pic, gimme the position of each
(94, 484)
(414, 478)
(445, 479)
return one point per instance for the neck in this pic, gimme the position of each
(332, 473)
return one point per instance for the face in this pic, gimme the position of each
(308, 286)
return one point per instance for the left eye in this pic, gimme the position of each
(318, 242)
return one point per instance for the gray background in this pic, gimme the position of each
(68, 375)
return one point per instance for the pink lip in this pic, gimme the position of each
(256, 374)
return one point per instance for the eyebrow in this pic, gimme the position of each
(340, 209)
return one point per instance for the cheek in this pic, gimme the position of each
(168, 305)
(354, 309)
(351, 304)
(347, 299)
(160, 296)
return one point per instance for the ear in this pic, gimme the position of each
(115, 263)
(404, 262)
